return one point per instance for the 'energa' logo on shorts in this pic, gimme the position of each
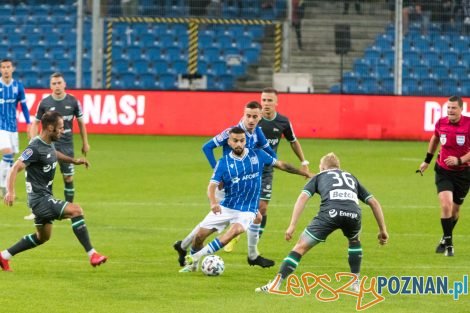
(332, 213)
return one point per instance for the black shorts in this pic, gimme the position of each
(47, 210)
(456, 181)
(327, 222)
(67, 169)
(266, 184)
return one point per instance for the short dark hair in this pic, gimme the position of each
(253, 105)
(269, 90)
(236, 130)
(7, 60)
(56, 74)
(458, 99)
(50, 118)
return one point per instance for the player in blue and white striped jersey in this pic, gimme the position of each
(254, 139)
(11, 92)
(240, 172)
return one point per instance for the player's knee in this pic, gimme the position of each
(258, 218)
(354, 242)
(75, 210)
(199, 239)
(68, 178)
(42, 238)
(263, 207)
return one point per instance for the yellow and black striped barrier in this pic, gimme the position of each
(193, 24)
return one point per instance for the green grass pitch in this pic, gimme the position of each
(144, 192)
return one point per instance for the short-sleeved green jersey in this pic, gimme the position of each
(69, 107)
(41, 161)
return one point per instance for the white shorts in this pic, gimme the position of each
(227, 217)
(9, 140)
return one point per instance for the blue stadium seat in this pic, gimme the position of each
(244, 41)
(20, 52)
(384, 42)
(373, 54)
(257, 31)
(441, 44)
(225, 40)
(383, 71)
(120, 66)
(237, 70)
(134, 52)
(142, 66)
(449, 86)
(429, 86)
(65, 65)
(160, 66)
(152, 52)
(450, 58)
(205, 39)
(218, 68)
(459, 72)
(167, 40)
(174, 53)
(387, 85)
(431, 58)
(440, 71)
(461, 44)
(202, 66)
(226, 81)
(362, 67)
(167, 81)
(230, 11)
(389, 55)
(211, 53)
(465, 58)
(335, 89)
(409, 86)
(411, 58)
(421, 43)
(148, 81)
(350, 85)
(420, 71)
(180, 66)
(369, 85)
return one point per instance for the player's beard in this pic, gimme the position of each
(238, 151)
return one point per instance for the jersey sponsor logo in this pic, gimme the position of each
(52, 109)
(49, 167)
(275, 129)
(254, 160)
(343, 194)
(332, 213)
(443, 139)
(460, 140)
(26, 154)
(68, 107)
(273, 142)
(235, 180)
(348, 214)
(48, 156)
(250, 176)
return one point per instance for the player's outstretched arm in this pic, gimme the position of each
(379, 217)
(11, 179)
(208, 149)
(286, 167)
(65, 158)
(299, 207)
(432, 147)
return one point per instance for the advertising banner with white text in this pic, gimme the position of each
(208, 113)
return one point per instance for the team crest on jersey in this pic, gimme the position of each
(52, 109)
(275, 129)
(27, 154)
(235, 180)
(460, 140)
(254, 160)
(15, 89)
(443, 139)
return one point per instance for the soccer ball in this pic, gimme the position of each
(213, 265)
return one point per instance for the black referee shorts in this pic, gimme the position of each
(456, 181)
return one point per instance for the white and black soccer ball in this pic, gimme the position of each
(213, 265)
